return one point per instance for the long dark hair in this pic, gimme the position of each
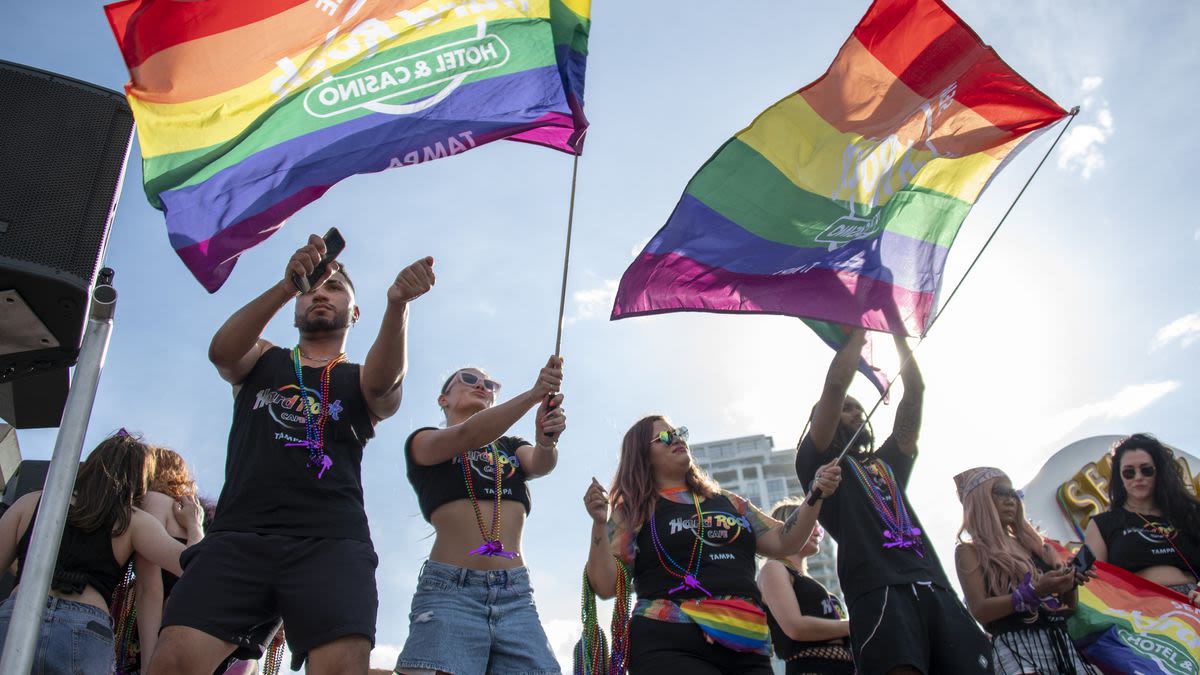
(1170, 495)
(633, 492)
(112, 479)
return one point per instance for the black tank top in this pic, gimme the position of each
(726, 561)
(84, 559)
(1133, 545)
(814, 600)
(443, 483)
(269, 487)
(1023, 621)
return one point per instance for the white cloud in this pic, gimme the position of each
(1081, 148)
(384, 656)
(563, 635)
(592, 303)
(1185, 329)
(1129, 401)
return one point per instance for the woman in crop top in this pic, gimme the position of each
(473, 610)
(1015, 583)
(809, 629)
(1152, 527)
(102, 531)
(689, 547)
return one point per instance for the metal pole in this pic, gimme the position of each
(23, 629)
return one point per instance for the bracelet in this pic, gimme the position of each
(1024, 598)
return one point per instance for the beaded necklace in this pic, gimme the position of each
(690, 578)
(314, 429)
(491, 538)
(899, 532)
(1169, 533)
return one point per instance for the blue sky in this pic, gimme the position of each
(1081, 318)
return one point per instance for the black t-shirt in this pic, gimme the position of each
(814, 600)
(443, 483)
(863, 562)
(1018, 621)
(726, 561)
(85, 558)
(1134, 545)
(269, 487)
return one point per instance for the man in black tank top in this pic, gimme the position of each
(904, 617)
(290, 539)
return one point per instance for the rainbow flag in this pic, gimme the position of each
(248, 110)
(1126, 625)
(840, 202)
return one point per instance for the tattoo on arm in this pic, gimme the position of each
(791, 521)
(596, 540)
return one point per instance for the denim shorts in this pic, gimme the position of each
(467, 622)
(75, 637)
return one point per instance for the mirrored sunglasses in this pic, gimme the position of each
(670, 436)
(1008, 493)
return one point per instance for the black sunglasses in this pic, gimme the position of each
(1006, 493)
(1130, 472)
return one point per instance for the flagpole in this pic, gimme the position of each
(562, 296)
(815, 493)
(1070, 118)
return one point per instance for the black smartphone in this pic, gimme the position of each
(334, 243)
(1084, 559)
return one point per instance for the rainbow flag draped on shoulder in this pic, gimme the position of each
(249, 110)
(840, 202)
(1126, 625)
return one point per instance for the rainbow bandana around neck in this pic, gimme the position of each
(737, 624)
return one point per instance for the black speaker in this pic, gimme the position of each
(63, 146)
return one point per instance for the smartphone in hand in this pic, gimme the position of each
(1084, 559)
(334, 243)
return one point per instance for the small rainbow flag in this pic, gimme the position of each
(249, 110)
(738, 624)
(840, 202)
(1125, 624)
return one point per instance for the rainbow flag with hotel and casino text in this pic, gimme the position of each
(1126, 625)
(247, 110)
(840, 202)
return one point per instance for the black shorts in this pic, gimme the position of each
(919, 625)
(237, 586)
(657, 647)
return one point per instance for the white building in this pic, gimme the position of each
(751, 467)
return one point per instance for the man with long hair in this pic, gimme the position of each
(903, 616)
(290, 538)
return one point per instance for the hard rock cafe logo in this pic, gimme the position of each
(482, 466)
(720, 528)
(286, 405)
(874, 169)
(1086, 493)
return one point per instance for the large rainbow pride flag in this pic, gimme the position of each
(1126, 625)
(249, 110)
(840, 202)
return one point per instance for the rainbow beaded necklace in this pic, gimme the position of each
(690, 574)
(314, 428)
(899, 531)
(491, 537)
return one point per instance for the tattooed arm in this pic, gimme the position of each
(908, 414)
(791, 535)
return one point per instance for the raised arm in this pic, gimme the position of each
(601, 566)
(776, 586)
(151, 541)
(833, 395)
(540, 458)
(382, 374)
(908, 414)
(238, 344)
(791, 535)
(441, 445)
